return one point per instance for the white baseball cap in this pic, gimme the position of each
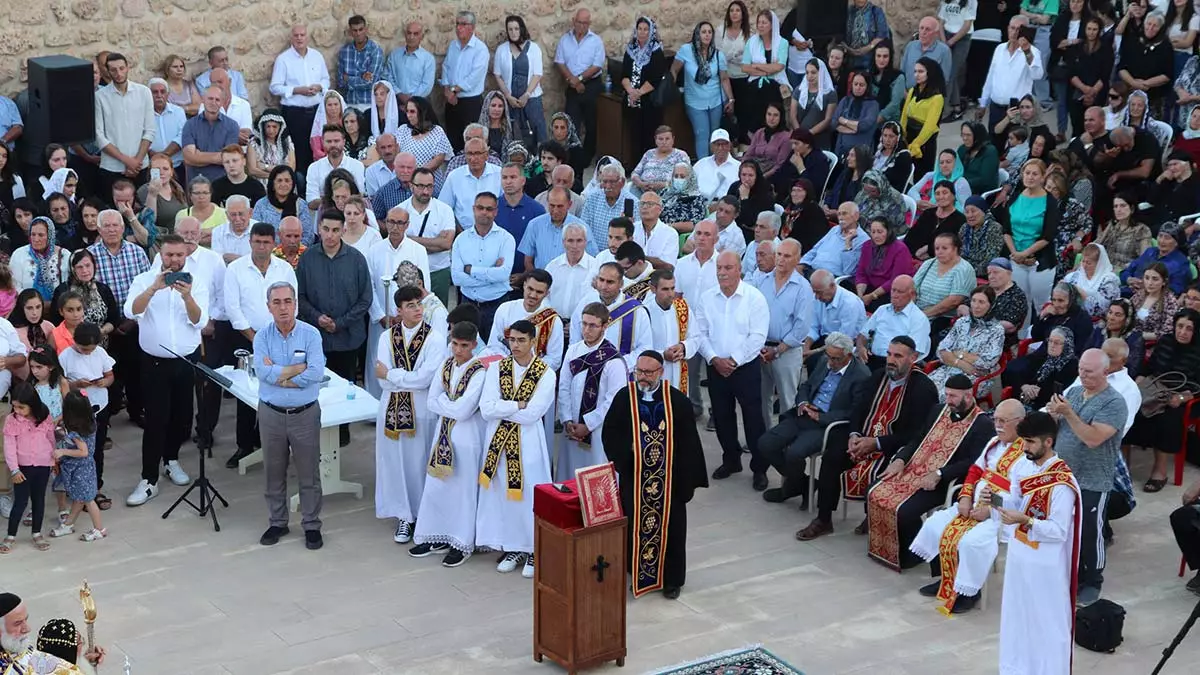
(719, 135)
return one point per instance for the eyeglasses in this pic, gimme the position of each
(422, 186)
(647, 373)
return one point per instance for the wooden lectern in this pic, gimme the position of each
(579, 593)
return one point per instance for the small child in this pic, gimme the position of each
(77, 466)
(89, 368)
(29, 455)
(47, 378)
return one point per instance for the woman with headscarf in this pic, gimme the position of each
(764, 60)
(1187, 93)
(683, 205)
(359, 144)
(1095, 281)
(1137, 115)
(770, 145)
(331, 110)
(64, 181)
(1053, 367)
(922, 112)
(1189, 138)
(855, 115)
(883, 258)
(978, 158)
(518, 71)
(887, 83)
(385, 114)
(493, 115)
(973, 345)
(706, 89)
(1026, 114)
(815, 103)
(562, 131)
(283, 200)
(1119, 321)
(270, 146)
(879, 199)
(891, 157)
(42, 264)
(948, 169)
(1147, 61)
(982, 237)
(803, 219)
(642, 70)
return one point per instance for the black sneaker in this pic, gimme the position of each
(272, 535)
(313, 540)
(1194, 584)
(455, 558)
(422, 550)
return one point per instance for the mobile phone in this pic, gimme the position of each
(997, 500)
(1013, 102)
(155, 174)
(173, 278)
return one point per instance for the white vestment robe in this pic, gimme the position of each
(513, 311)
(382, 261)
(643, 335)
(504, 524)
(664, 324)
(400, 463)
(448, 504)
(612, 378)
(1037, 608)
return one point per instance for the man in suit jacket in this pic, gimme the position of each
(837, 380)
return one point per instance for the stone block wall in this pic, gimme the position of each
(255, 31)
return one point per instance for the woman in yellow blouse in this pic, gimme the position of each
(922, 112)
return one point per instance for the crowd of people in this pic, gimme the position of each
(976, 322)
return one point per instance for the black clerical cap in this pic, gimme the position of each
(959, 381)
(8, 602)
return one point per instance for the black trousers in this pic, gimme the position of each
(108, 178)
(127, 377)
(487, 312)
(346, 365)
(102, 417)
(742, 388)
(459, 115)
(214, 353)
(33, 489)
(834, 462)
(641, 123)
(169, 386)
(742, 109)
(789, 444)
(1091, 539)
(299, 121)
(247, 417)
(1185, 522)
(995, 114)
(582, 110)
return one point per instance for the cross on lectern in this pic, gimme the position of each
(599, 567)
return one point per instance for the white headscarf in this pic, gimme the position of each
(319, 121)
(58, 183)
(824, 84)
(1103, 269)
(777, 43)
(391, 112)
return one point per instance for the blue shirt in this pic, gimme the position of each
(411, 72)
(844, 314)
(1179, 270)
(169, 129)
(466, 67)
(391, 194)
(486, 281)
(827, 389)
(514, 219)
(353, 63)
(701, 96)
(10, 117)
(938, 52)
(302, 345)
(830, 252)
(209, 137)
(236, 82)
(543, 242)
(462, 186)
(791, 309)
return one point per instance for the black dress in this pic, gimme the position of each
(1164, 431)
(928, 227)
(641, 121)
(759, 200)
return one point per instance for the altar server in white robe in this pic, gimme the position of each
(1038, 606)
(673, 325)
(448, 505)
(628, 322)
(593, 372)
(383, 260)
(408, 356)
(517, 393)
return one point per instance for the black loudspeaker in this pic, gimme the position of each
(62, 104)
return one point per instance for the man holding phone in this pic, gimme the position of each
(1016, 65)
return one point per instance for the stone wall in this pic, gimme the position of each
(255, 31)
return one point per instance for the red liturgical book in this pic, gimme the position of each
(597, 487)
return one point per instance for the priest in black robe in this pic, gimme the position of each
(650, 436)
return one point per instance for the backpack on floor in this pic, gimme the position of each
(1098, 626)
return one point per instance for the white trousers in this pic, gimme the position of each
(976, 550)
(1037, 285)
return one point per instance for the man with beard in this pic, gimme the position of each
(60, 637)
(650, 432)
(17, 653)
(882, 425)
(594, 374)
(629, 326)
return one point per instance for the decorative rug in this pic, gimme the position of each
(752, 660)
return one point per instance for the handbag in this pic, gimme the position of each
(1156, 390)
(665, 92)
(1098, 626)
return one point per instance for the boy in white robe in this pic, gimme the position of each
(671, 322)
(593, 373)
(383, 261)
(518, 391)
(448, 504)
(407, 357)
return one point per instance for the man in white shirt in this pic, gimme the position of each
(125, 125)
(629, 322)
(620, 230)
(431, 225)
(168, 120)
(464, 71)
(1016, 65)
(218, 57)
(659, 241)
(899, 317)
(732, 322)
(235, 107)
(383, 260)
(695, 273)
(572, 272)
(299, 78)
(672, 322)
(170, 316)
(581, 59)
(245, 298)
(837, 310)
(333, 139)
(715, 173)
(231, 239)
(729, 235)
(766, 228)
(383, 172)
(465, 182)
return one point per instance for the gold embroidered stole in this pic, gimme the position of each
(507, 439)
(441, 460)
(401, 418)
(653, 463)
(638, 289)
(542, 321)
(885, 410)
(1039, 487)
(681, 320)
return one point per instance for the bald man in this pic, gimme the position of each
(963, 575)
(899, 317)
(732, 320)
(291, 235)
(927, 45)
(580, 59)
(398, 186)
(300, 78)
(411, 68)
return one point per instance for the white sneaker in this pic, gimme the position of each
(403, 532)
(509, 562)
(176, 473)
(527, 571)
(141, 494)
(62, 530)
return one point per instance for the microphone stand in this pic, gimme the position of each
(1187, 625)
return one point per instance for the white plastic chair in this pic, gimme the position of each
(987, 196)
(833, 162)
(779, 210)
(812, 464)
(910, 206)
(1184, 221)
(912, 175)
(1163, 133)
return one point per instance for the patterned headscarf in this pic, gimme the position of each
(702, 71)
(48, 275)
(572, 135)
(272, 152)
(889, 205)
(640, 54)
(1053, 364)
(691, 188)
(391, 112)
(505, 123)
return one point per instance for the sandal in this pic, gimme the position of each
(94, 535)
(40, 543)
(7, 544)
(1154, 484)
(62, 531)
(103, 502)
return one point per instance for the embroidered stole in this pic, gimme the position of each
(441, 460)
(885, 410)
(958, 527)
(593, 362)
(625, 314)
(638, 289)
(681, 320)
(653, 464)
(542, 321)
(886, 497)
(507, 439)
(401, 418)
